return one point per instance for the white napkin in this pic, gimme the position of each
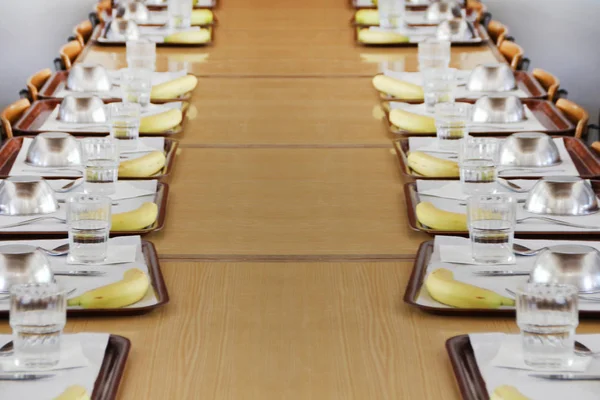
(71, 356)
(205, 3)
(416, 78)
(417, 34)
(461, 255)
(153, 33)
(116, 255)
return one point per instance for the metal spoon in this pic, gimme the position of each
(6, 294)
(556, 221)
(70, 186)
(7, 349)
(590, 299)
(79, 273)
(61, 250)
(525, 251)
(580, 349)
(511, 186)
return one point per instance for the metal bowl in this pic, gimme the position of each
(26, 195)
(562, 195)
(54, 149)
(498, 110)
(453, 29)
(156, 2)
(22, 264)
(572, 264)
(529, 149)
(135, 11)
(441, 11)
(82, 110)
(492, 78)
(88, 78)
(122, 30)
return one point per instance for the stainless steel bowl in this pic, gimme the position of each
(562, 195)
(529, 149)
(572, 264)
(453, 29)
(135, 11)
(82, 110)
(122, 30)
(26, 195)
(441, 11)
(502, 110)
(492, 78)
(22, 264)
(54, 149)
(88, 78)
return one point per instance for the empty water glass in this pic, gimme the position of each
(478, 160)
(179, 14)
(434, 53)
(451, 123)
(89, 227)
(125, 124)
(136, 86)
(37, 318)
(101, 162)
(391, 13)
(491, 220)
(141, 54)
(547, 316)
(438, 87)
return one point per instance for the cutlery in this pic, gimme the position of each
(530, 170)
(581, 350)
(590, 299)
(511, 186)
(556, 221)
(81, 127)
(32, 221)
(525, 251)
(70, 186)
(79, 273)
(567, 377)
(7, 349)
(497, 128)
(6, 294)
(64, 201)
(57, 251)
(501, 273)
(19, 376)
(54, 170)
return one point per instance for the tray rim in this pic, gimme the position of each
(112, 369)
(468, 376)
(214, 22)
(99, 31)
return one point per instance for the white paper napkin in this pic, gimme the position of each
(71, 356)
(116, 255)
(461, 255)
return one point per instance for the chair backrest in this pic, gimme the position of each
(36, 81)
(548, 82)
(103, 9)
(11, 114)
(596, 146)
(576, 114)
(512, 52)
(477, 8)
(69, 52)
(83, 31)
(497, 31)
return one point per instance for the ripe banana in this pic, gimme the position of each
(441, 220)
(136, 219)
(380, 37)
(173, 89)
(414, 123)
(399, 89)
(189, 37)
(428, 165)
(201, 17)
(74, 392)
(367, 17)
(442, 287)
(142, 167)
(128, 291)
(507, 392)
(160, 123)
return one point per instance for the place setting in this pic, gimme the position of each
(163, 4)
(434, 14)
(143, 14)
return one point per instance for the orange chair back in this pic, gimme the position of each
(69, 53)
(548, 82)
(36, 81)
(497, 32)
(576, 114)
(11, 114)
(83, 31)
(512, 52)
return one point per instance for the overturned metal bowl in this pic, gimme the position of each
(26, 195)
(571, 264)
(441, 11)
(22, 264)
(529, 149)
(122, 30)
(54, 149)
(82, 110)
(562, 195)
(88, 78)
(453, 29)
(492, 78)
(135, 11)
(498, 110)
(155, 2)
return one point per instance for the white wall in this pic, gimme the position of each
(31, 32)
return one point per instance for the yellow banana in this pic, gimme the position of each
(506, 392)
(142, 167)
(415, 123)
(173, 89)
(442, 287)
(128, 291)
(189, 37)
(399, 89)
(160, 123)
(441, 220)
(201, 17)
(136, 219)
(74, 392)
(428, 165)
(369, 36)
(367, 17)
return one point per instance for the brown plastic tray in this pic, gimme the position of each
(58, 82)
(550, 117)
(213, 5)
(354, 23)
(11, 148)
(112, 369)
(416, 7)
(214, 22)
(412, 199)
(100, 32)
(34, 117)
(467, 373)
(479, 30)
(525, 81)
(586, 162)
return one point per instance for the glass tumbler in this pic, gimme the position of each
(547, 316)
(136, 86)
(89, 219)
(391, 13)
(451, 123)
(38, 314)
(125, 124)
(434, 53)
(101, 161)
(491, 220)
(179, 14)
(141, 54)
(439, 85)
(478, 160)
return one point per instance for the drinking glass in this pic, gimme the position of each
(547, 315)
(38, 314)
(434, 53)
(125, 124)
(451, 123)
(136, 86)
(101, 161)
(180, 14)
(478, 160)
(492, 219)
(438, 87)
(141, 54)
(391, 13)
(89, 226)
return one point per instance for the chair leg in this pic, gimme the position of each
(24, 94)
(524, 66)
(58, 65)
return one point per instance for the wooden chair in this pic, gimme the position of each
(35, 83)
(576, 114)
(103, 11)
(68, 53)
(480, 10)
(513, 53)
(11, 114)
(82, 32)
(549, 82)
(497, 31)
